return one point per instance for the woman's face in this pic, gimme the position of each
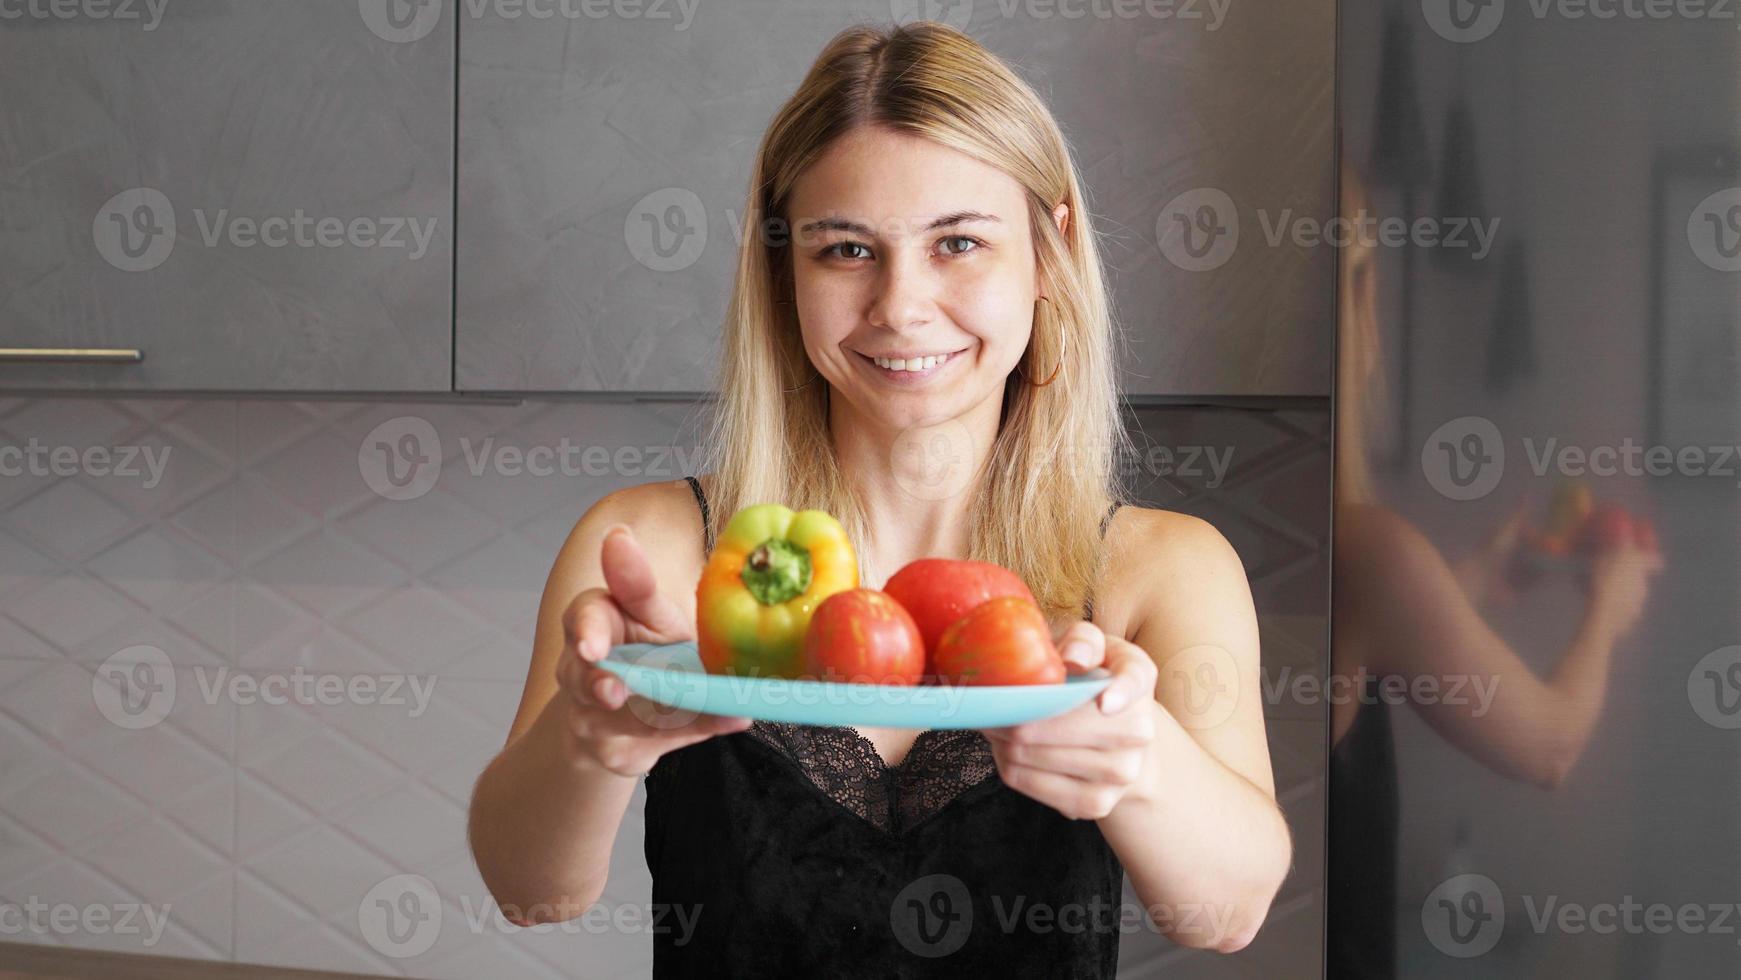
(905, 249)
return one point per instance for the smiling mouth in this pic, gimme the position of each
(911, 365)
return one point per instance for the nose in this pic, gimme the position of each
(904, 293)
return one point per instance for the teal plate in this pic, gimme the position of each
(671, 675)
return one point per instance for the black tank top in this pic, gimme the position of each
(1360, 902)
(793, 850)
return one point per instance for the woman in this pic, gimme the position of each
(917, 203)
(1401, 611)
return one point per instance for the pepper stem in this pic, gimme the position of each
(777, 571)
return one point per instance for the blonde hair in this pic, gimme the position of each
(773, 444)
(1361, 393)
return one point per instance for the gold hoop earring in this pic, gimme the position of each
(1063, 346)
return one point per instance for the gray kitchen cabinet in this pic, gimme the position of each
(255, 195)
(604, 153)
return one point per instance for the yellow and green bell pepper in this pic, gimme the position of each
(769, 570)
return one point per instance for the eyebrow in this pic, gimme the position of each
(844, 224)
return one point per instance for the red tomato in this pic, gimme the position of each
(1001, 641)
(1644, 534)
(939, 591)
(863, 636)
(1607, 528)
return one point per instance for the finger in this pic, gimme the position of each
(1083, 726)
(1083, 646)
(1133, 677)
(1092, 764)
(593, 624)
(1074, 798)
(606, 689)
(587, 684)
(640, 717)
(629, 577)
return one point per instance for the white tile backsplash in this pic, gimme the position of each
(265, 556)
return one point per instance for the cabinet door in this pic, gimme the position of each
(256, 196)
(605, 152)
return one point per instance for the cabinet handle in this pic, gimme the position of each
(78, 355)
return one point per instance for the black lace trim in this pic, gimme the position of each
(845, 766)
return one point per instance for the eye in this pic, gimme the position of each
(960, 244)
(839, 251)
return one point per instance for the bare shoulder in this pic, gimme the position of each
(1167, 540)
(1163, 561)
(666, 521)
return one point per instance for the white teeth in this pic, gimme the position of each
(911, 363)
